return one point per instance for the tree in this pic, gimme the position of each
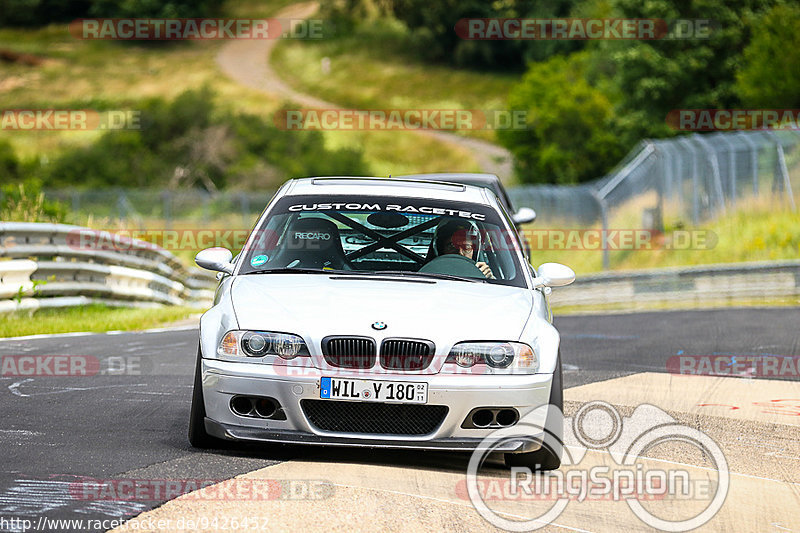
(770, 73)
(432, 29)
(569, 135)
(649, 78)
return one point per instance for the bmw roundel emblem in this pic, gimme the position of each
(379, 325)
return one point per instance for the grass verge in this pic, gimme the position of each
(95, 317)
(368, 70)
(754, 232)
(105, 75)
(638, 307)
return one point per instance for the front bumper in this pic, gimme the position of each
(460, 393)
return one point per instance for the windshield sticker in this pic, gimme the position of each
(426, 210)
(259, 260)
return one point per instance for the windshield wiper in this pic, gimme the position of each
(295, 270)
(428, 275)
(403, 273)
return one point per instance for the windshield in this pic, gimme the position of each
(374, 235)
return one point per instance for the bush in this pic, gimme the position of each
(25, 202)
(569, 136)
(43, 12)
(770, 75)
(9, 164)
(193, 142)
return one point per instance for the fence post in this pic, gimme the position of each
(754, 149)
(604, 224)
(695, 180)
(166, 198)
(711, 154)
(787, 184)
(731, 169)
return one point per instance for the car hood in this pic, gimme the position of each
(315, 306)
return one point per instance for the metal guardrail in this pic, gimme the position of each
(689, 286)
(48, 265)
(47, 269)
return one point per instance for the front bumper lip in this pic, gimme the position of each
(242, 433)
(461, 394)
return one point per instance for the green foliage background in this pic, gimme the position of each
(589, 102)
(205, 143)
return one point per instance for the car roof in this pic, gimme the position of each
(488, 181)
(474, 178)
(401, 187)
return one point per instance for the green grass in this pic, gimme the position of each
(369, 70)
(755, 232)
(95, 317)
(595, 309)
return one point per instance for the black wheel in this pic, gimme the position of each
(198, 437)
(548, 457)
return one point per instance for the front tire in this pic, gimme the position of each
(198, 436)
(548, 457)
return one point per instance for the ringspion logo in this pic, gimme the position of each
(624, 475)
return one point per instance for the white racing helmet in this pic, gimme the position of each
(455, 233)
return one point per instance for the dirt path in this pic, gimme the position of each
(247, 62)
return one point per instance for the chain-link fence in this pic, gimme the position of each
(661, 184)
(144, 207)
(680, 181)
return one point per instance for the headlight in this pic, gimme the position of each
(517, 357)
(262, 343)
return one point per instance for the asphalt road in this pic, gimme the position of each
(128, 421)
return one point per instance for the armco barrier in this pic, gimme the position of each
(688, 286)
(40, 266)
(45, 270)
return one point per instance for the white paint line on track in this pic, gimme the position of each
(14, 388)
(49, 335)
(87, 333)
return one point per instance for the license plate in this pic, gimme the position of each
(373, 391)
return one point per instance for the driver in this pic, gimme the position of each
(460, 237)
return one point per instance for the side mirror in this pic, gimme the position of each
(554, 275)
(217, 259)
(525, 215)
